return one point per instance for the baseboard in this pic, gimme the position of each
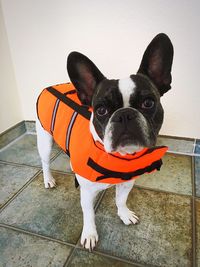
(12, 133)
(30, 127)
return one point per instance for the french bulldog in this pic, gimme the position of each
(126, 117)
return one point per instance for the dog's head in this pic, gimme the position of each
(127, 113)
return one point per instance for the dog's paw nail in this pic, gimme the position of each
(134, 221)
(128, 217)
(51, 183)
(89, 242)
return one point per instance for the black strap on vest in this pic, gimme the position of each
(82, 110)
(122, 175)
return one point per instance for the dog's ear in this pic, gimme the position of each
(157, 62)
(84, 75)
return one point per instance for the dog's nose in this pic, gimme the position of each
(124, 116)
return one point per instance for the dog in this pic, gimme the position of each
(125, 118)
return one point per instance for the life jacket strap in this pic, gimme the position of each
(82, 110)
(122, 175)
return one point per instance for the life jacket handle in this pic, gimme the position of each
(82, 110)
(156, 165)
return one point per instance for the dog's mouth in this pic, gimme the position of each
(129, 149)
(128, 139)
(126, 144)
(125, 139)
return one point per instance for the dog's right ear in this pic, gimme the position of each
(84, 75)
(157, 62)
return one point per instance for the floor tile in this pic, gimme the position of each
(197, 175)
(198, 231)
(24, 151)
(51, 212)
(175, 175)
(61, 163)
(176, 144)
(87, 259)
(12, 178)
(163, 236)
(22, 250)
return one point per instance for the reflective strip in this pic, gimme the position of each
(54, 114)
(69, 130)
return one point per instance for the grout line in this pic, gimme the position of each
(183, 153)
(70, 257)
(19, 164)
(20, 190)
(54, 157)
(195, 143)
(176, 137)
(12, 142)
(160, 191)
(62, 172)
(99, 253)
(193, 214)
(35, 234)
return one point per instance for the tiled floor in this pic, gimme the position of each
(40, 227)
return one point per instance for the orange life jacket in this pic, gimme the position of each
(67, 120)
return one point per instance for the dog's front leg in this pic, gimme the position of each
(89, 235)
(126, 215)
(89, 191)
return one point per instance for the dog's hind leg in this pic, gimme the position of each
(44, 144)
(126, 215)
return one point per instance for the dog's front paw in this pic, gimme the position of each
(49, 182)
(127, 216)
(89, 239)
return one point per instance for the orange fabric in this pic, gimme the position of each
(71, 132)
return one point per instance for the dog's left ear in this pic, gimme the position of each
(157, 62)
(84, 75)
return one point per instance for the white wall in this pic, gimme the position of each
(113, 34)
(10, 110)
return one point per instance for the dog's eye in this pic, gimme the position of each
(101, 111)
(148, 103)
